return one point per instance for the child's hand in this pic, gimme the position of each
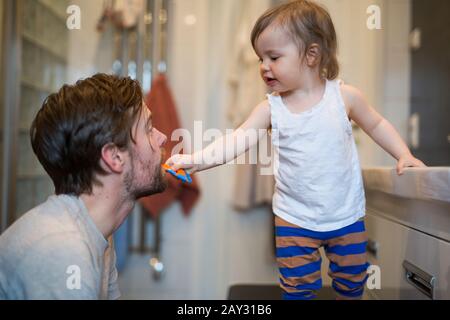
(408, 160)
(182, 161)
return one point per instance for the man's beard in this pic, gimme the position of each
(159, 182)
(159, 185)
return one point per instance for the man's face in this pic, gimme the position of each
(145, 176)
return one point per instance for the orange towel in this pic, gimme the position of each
(165, 119)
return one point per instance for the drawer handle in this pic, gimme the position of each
(372, 247)
(420, 279)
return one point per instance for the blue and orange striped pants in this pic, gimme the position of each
(299, 260)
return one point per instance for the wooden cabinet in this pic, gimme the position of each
(408, 225)
(402, 249)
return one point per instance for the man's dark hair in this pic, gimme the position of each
(74, 124)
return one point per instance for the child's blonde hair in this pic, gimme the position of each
(307, 23)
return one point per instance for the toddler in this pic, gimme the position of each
(319, 197)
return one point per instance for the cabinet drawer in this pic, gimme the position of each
(396, 244)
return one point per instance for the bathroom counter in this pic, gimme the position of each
(420, 198)
(408, 225)
(416, 183)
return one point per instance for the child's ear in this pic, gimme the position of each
(113, 160)
(313, 55)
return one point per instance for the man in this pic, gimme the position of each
(96, 141)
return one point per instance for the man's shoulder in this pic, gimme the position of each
(43, 270)
(46, 223)
(39, 249)
(47, 218)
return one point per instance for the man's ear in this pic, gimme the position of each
(113, 158)
(313, 55)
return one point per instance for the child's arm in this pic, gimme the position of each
(229, 147)
(378, 128)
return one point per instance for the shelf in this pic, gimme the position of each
(43, 46)
(32, 176)
(36, 86)
(24, 131)
(58, 14)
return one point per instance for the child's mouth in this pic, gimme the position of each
(270, 81)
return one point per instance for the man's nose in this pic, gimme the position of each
(162, 138)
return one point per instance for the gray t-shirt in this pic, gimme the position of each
(55, 251)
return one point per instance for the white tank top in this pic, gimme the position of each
(317, 173)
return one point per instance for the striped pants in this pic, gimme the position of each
(299, 260)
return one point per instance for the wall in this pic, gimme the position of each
(1, 61)
(89, 51)
(360, 56)
(225, 247)
(397, 68)
(1, 24)
(377, 62)
(1, 118)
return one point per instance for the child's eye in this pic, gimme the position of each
(274, 58)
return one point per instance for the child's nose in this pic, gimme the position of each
(264, 66)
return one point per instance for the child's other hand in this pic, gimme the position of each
(408, 160)
(182, 161)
